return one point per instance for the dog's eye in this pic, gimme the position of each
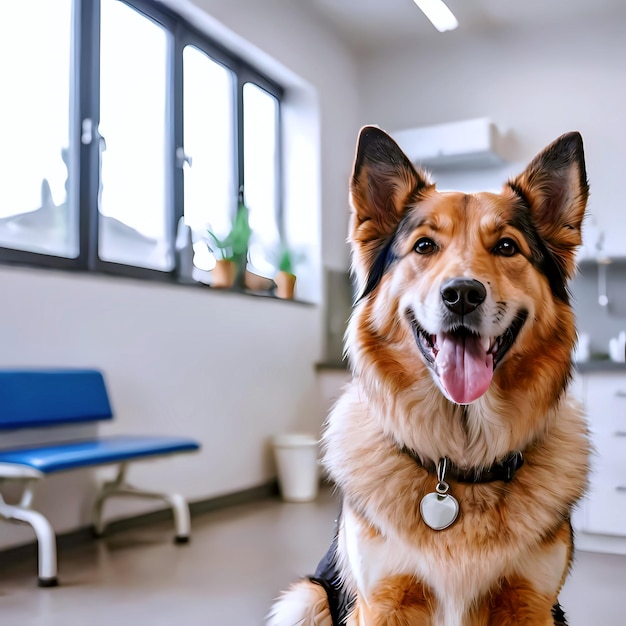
(506, 247)
(425, 245)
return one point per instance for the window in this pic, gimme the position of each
(209, 154)
(260, 150)
(37, 210)
(126, 121)
(133, 224)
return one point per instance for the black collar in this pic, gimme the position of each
(504, 470)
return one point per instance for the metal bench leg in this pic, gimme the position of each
(107, 489)
(119, 487)
(46, 538)
(96, 515)
(182, 522)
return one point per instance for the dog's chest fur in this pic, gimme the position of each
(504, 531)
(455, 583)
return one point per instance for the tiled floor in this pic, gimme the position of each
(237, 561)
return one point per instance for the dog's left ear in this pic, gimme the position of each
(554, 187)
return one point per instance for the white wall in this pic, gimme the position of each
(227, 369)
(537, 83)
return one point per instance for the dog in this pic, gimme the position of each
(456, 449)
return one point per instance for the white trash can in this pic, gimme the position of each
(297, 460)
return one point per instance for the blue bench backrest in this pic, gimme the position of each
(30, 398)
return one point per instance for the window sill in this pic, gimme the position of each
(152, 277)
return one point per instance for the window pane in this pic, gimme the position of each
(35, 211)
(260, 110)
(210, 190)
(134, 215)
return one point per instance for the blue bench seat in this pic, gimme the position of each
(113, 449)
(42, 398)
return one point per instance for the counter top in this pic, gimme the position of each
(331, 365)
(600, 365)
(584, 367)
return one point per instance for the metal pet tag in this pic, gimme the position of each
(439, 510)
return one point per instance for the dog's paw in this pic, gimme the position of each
(303, 604)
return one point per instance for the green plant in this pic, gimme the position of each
(234, 246)
(287, 258)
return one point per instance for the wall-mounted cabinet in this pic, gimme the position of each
(599, 298)
(601, 266)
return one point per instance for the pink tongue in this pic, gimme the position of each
(465, 369)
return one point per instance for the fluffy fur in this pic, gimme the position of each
(505, 558)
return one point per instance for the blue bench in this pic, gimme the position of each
(31, 399)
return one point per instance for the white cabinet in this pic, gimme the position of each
(605, 404)
(602, 516)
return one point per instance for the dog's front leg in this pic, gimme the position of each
(529, 594)
(396, 601)
(373, 562)
(515, 603)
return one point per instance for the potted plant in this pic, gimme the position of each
(285, 278)
(231, 251)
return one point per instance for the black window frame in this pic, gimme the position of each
(85, 141)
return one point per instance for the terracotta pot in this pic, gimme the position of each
(285, 285)
(223, 274)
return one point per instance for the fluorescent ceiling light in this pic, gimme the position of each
(438, 13)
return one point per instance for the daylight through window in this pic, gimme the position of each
(125, 122)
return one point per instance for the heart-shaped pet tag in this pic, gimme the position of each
(439, 510)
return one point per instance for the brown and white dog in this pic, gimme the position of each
(456, 449)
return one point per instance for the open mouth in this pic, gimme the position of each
(464, 361)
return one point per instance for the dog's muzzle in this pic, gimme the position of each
(462, 359)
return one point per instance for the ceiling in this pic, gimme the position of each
(366, 24)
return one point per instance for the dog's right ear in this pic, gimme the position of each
(384, 182)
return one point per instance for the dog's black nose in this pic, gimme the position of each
(463, 295)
